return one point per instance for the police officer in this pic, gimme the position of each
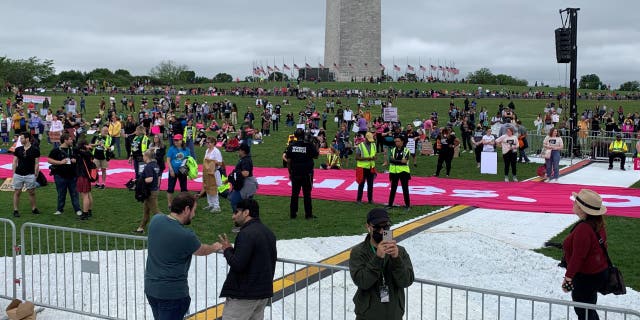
(300, 155)
(398, 161)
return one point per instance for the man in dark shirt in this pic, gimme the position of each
(300, 155)
(252, 262)
(25, 170)
(63, 166)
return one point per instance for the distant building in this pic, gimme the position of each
(352, 39)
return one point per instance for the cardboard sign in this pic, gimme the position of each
(636, 163)
(489, 162)
(7, 185)
(390, 114)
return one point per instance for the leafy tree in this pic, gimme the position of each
(100, 74)
(27, 72)
(168, 71)
(411, 77)
(73, 76)
(590, 81)
(123, 73)
(201, 80)
(482, 76)
(278, 76)
(187, 76)
(630, 86)
(504, 79)
(223, 77)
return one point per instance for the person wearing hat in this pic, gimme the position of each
(252, 264)
(241, 178)
(176, 155)
(381, 270)
(366, 166)
(617, 149)
(300, 155)
(586, 263)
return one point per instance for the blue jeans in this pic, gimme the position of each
(115, 141)
(62, 185)
(235, 198)
(169, 309)
(191, 147)
(553, 163)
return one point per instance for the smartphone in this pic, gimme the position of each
(387, 235)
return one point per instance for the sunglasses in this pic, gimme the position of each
(382, 227)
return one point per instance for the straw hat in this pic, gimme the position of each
(590, 202)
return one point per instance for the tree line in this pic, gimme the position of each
(34, 72)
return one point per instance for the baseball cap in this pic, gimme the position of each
(377, 216)
(177, 137)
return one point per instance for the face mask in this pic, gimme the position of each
(377, 236)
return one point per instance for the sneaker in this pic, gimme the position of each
(407, 208)
(102, 186)
(478, 166)
(79, 213)
(57, 213)
(388, 207)
(84, 216)
(506, 179)
(207, 207)
(138, 231)
(16, 214)
(515, 179)
(215, 210)
(35, 211)
(610, 167)
(623, 169)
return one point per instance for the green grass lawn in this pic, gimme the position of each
(115, 210)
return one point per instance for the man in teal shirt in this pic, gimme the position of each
(170, 248)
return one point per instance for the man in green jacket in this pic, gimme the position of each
(381, 270)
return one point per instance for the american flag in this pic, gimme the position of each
(410, 68)
(433, 67)
(308, 66)
(285, 67)
(276, 68)
(269, 68)
(396, 68)
(381, 67)
(422, 68)
(295, 66)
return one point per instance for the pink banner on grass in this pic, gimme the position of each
(340, 185)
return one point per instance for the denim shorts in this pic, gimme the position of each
(26, 182)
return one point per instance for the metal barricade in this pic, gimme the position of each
(102, 275)
(87, 272)
(536, 146)
(8, 268)
(596, 147)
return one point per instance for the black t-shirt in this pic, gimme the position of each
(151, 169)
(99, 152)
(301, 155)
(63, 170)
(26, 160)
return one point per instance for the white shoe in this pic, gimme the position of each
(506, 179)
(57, 213)
(515, 179)
(216, 210)
(207, 207)
(79, 213)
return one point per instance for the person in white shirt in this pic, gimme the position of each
(553, 143)
(509, 144)
(211, 177)
(55, 131)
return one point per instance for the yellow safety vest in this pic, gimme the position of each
(334, 160)
(398, 168)
(225, 184)
(367, 164)
(618, 146)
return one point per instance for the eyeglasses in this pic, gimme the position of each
(383, 227)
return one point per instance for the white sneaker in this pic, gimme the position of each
(216, 210)
(79, 213)
(515, 179)
(57, 213)
(207, 207)
(506, 179)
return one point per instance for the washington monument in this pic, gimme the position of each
(352, 39)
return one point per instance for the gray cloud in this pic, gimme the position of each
(511, 37)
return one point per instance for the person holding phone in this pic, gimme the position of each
(509, 144)
(381, 270)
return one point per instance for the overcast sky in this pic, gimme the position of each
(513, 37)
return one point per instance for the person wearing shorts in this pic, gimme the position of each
(25, 170)
(101, 144)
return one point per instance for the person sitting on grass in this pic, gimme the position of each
(333, 159)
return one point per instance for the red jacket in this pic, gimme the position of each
(583, 252)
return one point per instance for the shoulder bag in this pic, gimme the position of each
(615, 281)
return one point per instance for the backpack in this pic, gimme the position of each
(142, 191)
